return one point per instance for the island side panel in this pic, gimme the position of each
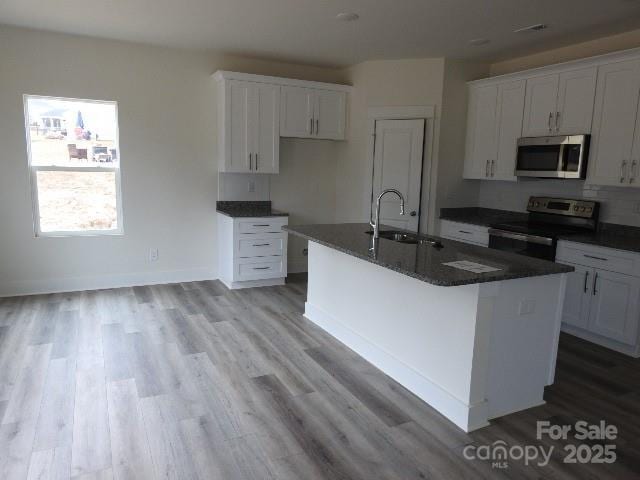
(524, 322)
(422, 335)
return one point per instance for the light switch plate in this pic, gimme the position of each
(527, 307)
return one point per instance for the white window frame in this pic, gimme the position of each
(34, 169)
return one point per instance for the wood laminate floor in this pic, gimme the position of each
(193, 381)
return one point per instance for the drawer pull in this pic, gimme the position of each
(464, 231)
(596, 258)
(261, 225)
(261, 244)
(261, 268)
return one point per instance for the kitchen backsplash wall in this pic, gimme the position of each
(618, 205)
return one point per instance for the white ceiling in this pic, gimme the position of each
(307, 31)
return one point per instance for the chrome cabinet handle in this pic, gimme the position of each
(493, 168)
(632, 174)
(486, 169)
(256, 162)
(549, 121)
(464, 231)
(586, 278)
(311, 126)
(250, 159)
(595, 284)
(261, 268)
(261, 244)
(623, 169)
(557, 121)
(317, 126)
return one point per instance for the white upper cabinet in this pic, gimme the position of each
(297, 106)
(540, 106)
(494, 124)
(560, 103)
(254, 111)
(266, 132)
(614, 125)
(330, 114)
(481, 131)
(313, 113)
(576, 90)
(511, 97)
(250, 127)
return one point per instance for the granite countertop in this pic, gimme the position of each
(237, 209)
(424, 261)
(610, 235)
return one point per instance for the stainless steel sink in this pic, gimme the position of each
(397, 236)
(404, 237)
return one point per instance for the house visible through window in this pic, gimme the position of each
(74, 160)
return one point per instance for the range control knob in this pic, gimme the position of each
(589, 209)
(582, 209)
(536, 204)
(575, 208)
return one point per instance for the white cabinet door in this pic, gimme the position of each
(237, 127)
(329, 114)
(578, 296)
(576, 92)
(297, 109)
(265, 108)
(510, 110)
(614, 123)
(540, 106)
(481, 132)
(615, 310)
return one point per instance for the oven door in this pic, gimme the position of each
(523, 244)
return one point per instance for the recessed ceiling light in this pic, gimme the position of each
(476, 42)
(347, 16)
(532, 28)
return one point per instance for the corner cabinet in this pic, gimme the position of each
(494, 124)
(255, 111)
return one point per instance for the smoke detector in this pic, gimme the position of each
(347, 16)
(532, 28)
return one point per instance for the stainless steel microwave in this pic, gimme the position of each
(562, 156)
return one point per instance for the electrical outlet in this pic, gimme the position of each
(153, 255)
(251, 187)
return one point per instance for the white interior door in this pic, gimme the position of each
(397, 163)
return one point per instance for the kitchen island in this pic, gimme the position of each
(471, 331)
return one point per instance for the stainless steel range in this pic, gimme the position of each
(549, 218)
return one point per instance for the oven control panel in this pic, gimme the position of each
(563, 206)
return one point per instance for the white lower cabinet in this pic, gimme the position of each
(252, 252)
(464, 232)
(602, 305)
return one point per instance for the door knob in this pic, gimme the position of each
(413, 213)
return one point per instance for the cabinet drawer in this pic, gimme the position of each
(261, 225)
(247, 247)
(464, 232)
(599, 257)
(259, 268)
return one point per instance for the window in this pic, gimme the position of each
(74, 159)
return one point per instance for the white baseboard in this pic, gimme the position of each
(269, 282)
(73, 284)
(467, 417)
(631, 350)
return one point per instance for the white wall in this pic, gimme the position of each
(167, 119)
(376, 84)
